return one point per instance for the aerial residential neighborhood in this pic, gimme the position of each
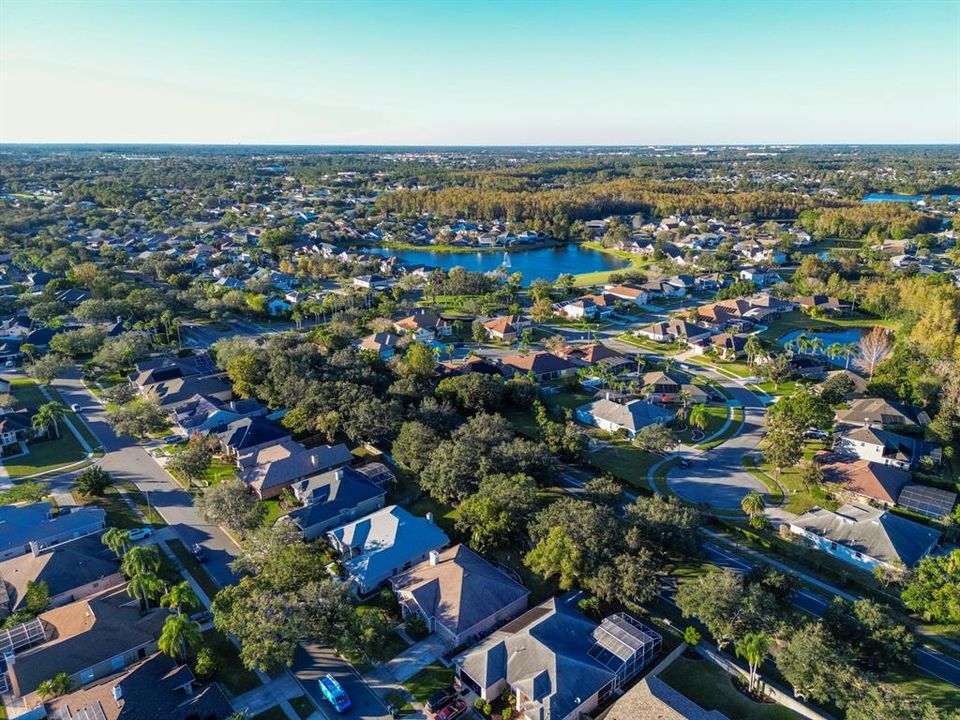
(479, 361)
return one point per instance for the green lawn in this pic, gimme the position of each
(796, 320)
(399, 700)
(736, 420)
(273, 511)
(28, 491)
(190, 564)
(119, 512)
(661, 348)
(600, 277)
(230, 670)
(444, 516)
(303, 706)
(712, 689)
(426, 682)
(799, 499)
(716, 417)
(392, 644)
(624, 461)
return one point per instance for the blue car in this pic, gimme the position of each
(334, 694)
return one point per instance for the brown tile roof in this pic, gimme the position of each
(869, 479)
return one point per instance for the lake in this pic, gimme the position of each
(844, 336)
(888, 197)
(537, 264)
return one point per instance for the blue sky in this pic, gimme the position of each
(480, 72)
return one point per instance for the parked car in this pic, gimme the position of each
(334, 693)
(202, 617)
(173, 439)
(440, 698)
(199, 552)
(454, 709)
(139, 533)
(816, 434)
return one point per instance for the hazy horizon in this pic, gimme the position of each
(480, 74)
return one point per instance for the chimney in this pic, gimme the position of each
(429, 517)
(434, 557)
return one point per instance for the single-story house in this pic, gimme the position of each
(72, 571)
(660, 387)
(599, 355)
(557, 663)
(88, 639)
(155, 687)
(422, 326)
(15, 425)
(506, 328)
(383, 344)
(460, 595)
(250, 434)
(866, 536)
(334, 498)
(630, 417)
(628, 293)
(382, 544)
(674, 329)
(543, 366)
(865, 480)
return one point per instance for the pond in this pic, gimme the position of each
(536, 264)
(890, 197)
(842, 336)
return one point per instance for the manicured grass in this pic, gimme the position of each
(796, 320)
(303, 706)
(799, 499)
(230, 670)
(625, 461)
(119, 512)
(661, 348)
(426, 682)
(736, 420)
(716, 417)
(399, 701)
(273, 511)
(443, 515)
(568, 399)
(916, 682)
(711, 688)
(29, 491)
(190, 564)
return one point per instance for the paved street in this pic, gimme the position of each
(313, 661)
(126, 459)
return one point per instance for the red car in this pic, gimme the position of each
(454, 709)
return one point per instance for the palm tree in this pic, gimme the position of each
(180, 596)
(48, 415)
(850, 350)
(834, 350)
(753, 648)
(752, 504)
(117, 540)
(816, 345)
(144, 585)
(141, 565)
(59, 684)
(698, 417)
(753, 347)
(179, 634)
(684, 398)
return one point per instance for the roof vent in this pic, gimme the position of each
(117, 693)
(434, 557)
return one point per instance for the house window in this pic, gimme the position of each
(117, 662)
(86, 676)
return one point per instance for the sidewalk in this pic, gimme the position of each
(272, 693)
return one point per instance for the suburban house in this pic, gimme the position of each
(371, 282)
(177, 390)
(460, 595)
(383, 344)
(506, 328)
(72, 571)
(870, 412)
(674, 330)
(599, 355)
(629, 417)
(155, 687)
(727, 345)
(542, 365)
(660, 387)
(880, 446)
(582, 309)
(422, 326)
(865, 480)
(35, 527)
(627, 293)
(250, 434)
(866, 536)
(604, 303)
(556, 662)
(334, 498)
(15, 426)
(88, 639)
(268, 470)
(823, 303)
(378, 546)
(202, 414)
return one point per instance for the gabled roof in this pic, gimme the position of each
(461, 590)
(874, 532)
(287, 462)
(379, 341)
(326, 495)
(385, 540)
(251, 432)
(504, 324)
(21, 524)
(593, 353)
(538, 363)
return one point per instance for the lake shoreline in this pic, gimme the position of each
(466, 250)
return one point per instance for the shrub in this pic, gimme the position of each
(93, 481)
(416, 626)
